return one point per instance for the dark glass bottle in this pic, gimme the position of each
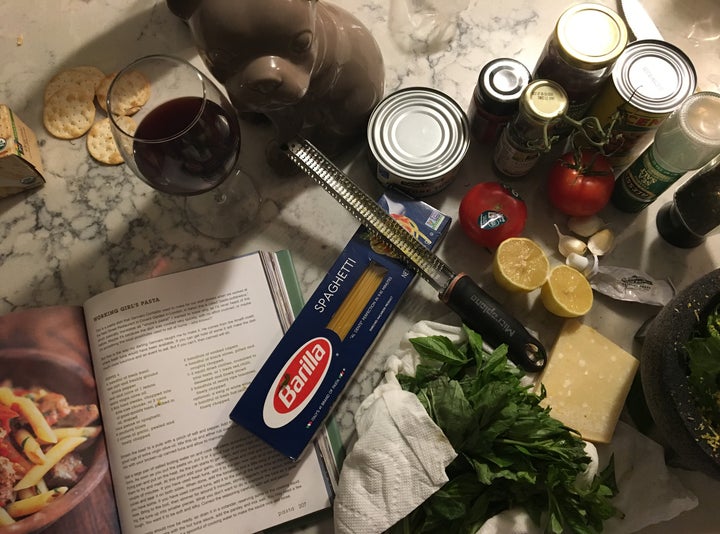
(529, 133)
(694, 211)
(496, 97)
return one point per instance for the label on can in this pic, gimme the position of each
(649, 81)
(634, 131)
(642, 183)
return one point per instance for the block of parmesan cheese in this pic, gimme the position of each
(587, 379)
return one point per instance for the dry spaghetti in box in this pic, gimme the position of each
(295, 389)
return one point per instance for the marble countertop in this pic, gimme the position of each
(92, 227)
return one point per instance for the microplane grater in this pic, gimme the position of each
(476, 308)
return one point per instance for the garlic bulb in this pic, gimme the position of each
(568, 244)
(601, 242)
(585, 226)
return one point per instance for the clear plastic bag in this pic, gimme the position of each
(424, 25)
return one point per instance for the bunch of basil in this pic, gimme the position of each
(511, 452)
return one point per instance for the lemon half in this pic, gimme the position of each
(520, 265)
(566, 293)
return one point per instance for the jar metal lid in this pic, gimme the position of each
(500, 84)
(418, 133)
(590, 36)
(654, 76)
(544, 100)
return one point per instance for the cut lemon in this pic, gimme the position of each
(566, 293)
(520, 265)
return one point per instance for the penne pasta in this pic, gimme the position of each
(29, 445)
(31, 505)
(78, 432)
(5, 518)
(30, 411)
(41, 486)
(35, 446)
(52, 457)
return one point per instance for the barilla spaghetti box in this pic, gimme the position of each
(294, 391)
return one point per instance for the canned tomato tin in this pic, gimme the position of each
(650, 80)
(417, 138)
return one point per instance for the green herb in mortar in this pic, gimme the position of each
(511, 452)
(704, 378)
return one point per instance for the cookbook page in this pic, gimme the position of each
(172, 356)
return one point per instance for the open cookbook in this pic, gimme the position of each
(169, 356)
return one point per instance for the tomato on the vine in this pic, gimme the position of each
(492, 212)
(580, 188)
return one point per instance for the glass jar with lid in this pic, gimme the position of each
(580, 54)
(530, 133)
(496, 97)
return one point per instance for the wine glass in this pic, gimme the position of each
(183, 138)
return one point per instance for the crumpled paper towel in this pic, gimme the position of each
(399, 459)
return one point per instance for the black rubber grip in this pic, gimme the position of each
(485, 315)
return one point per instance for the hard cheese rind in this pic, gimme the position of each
(587, 379)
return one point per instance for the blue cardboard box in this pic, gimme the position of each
(294, 391)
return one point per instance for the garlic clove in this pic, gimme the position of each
(585, 226)
(587, 266)
(601, 242)
(568, 244)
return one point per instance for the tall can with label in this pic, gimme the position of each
(580, 54)
(687, 140)
(649, 81)
(542, 106)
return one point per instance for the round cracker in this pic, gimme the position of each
(84, 78)
(68, 114)
(101, 143)
(131, 92)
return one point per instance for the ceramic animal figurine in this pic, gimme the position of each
(311, 67)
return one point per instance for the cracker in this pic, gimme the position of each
(100, 141)
(84, 78)
(68, 114)
(131, 93)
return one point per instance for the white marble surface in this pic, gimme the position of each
(93, 227)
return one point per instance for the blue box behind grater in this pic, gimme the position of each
(295, 389)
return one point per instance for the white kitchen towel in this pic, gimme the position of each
(649, 492)
(400, 456)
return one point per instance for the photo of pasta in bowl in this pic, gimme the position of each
(52, 453)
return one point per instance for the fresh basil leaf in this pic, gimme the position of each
(438, 348)
(511, 451)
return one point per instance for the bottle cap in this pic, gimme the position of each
(544, 100)
(699, 116)
(500, 84)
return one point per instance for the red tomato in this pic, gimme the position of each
(492, 212)
(580, 189)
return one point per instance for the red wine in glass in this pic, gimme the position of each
(187, 142)
(186, 146)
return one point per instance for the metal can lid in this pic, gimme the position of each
(500, 83)
(654, 76)
(544, 100)
(418, 133)
(591, 36)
